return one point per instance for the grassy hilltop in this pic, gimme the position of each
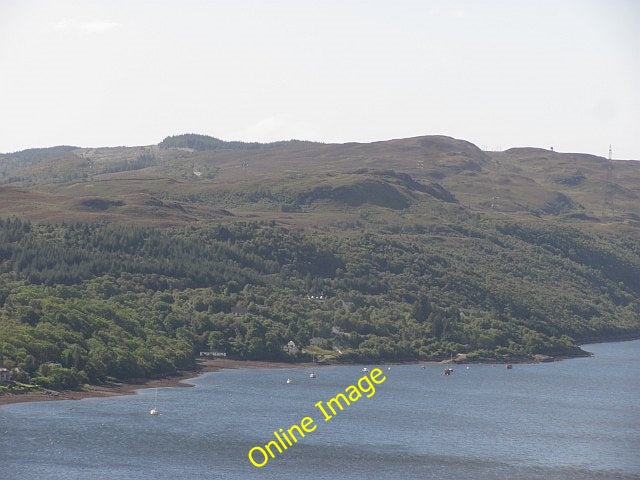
(125, 262)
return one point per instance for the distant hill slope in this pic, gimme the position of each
(421, 247)
(205, 173)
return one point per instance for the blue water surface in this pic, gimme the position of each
(575, 419)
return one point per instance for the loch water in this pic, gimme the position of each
(574, 419)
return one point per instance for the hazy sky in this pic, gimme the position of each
(497, 73)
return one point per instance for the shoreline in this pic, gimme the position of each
(206, 365)
(113, 389)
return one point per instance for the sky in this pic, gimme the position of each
(562, 74)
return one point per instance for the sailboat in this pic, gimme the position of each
(313, 369)
(448, 371)
(154, 410)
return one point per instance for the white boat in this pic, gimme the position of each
(313, 370)
(289, 381)
(448, 371)
(365, 369)
(154, 410)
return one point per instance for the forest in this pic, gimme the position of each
(88, 302)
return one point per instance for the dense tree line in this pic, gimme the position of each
(86, 302)
(141, 161)
(203, 142)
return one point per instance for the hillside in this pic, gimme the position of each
(125, 262)
(173, 183)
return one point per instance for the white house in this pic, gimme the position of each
(291, 348)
